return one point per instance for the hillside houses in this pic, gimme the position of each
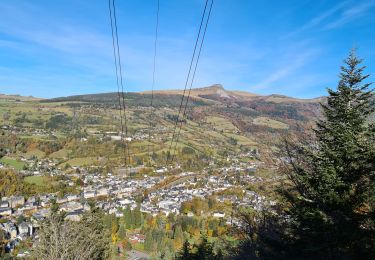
(115, 192)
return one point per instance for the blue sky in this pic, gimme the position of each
(293, 47)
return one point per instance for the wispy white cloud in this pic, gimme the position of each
(336, 16)
(288, 65)
(355, 11)
(317, 20)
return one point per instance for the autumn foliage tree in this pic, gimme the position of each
(10, 182)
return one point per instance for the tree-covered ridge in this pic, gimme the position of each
(274, 105)
(131, 99)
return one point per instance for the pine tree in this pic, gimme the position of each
(54, 206)
(2, 243)
(332, 211)
(184, 253)
(178, 235)
(137, 217)
(128, 217)
(204, 249)
(149, 242)
(122, 232)
(132, 219)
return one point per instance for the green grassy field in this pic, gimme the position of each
(221, 124)
(37, 180)
(63, 153)
(35, 152)
(265, 121)
(18, 165)
(139, 247)
(81, 161)
(243, 140)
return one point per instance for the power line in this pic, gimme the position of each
(121, 81)
(187, 78)
(119, 78)
(192, 79)
(153, 75)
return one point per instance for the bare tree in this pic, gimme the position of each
(59, 239)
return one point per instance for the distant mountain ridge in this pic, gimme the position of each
(211, 94)
(17, 97)
(217, 92)
(216, 98)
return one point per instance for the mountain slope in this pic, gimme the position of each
(212, 94)
(215, 97)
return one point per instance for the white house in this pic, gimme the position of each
(23, 228)
(5, 211)
(89, 194)
(219, 214)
